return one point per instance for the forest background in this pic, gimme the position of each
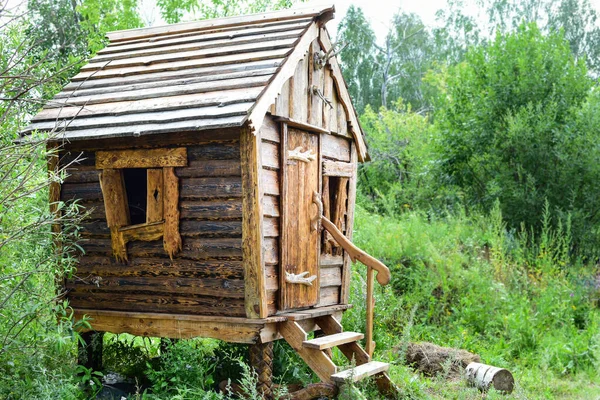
(482, 197)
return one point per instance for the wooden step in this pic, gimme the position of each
(360, 372)
(329, 341)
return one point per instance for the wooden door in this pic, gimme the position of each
(299, 275)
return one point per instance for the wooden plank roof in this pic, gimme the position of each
(191, 76)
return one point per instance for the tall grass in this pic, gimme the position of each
(522, 302)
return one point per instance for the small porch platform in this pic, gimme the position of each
(185, 326)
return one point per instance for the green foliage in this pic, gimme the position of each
(68, 31)
(402, 173)
(380, 75)
(186, 364)
(508, 131)
(466, 282)
(36, 328)
(174, 11)
(358, 58)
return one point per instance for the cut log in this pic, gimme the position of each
(484, 376)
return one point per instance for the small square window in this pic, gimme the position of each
(141, 196)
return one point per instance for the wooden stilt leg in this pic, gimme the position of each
(261, 359)
(90, 354)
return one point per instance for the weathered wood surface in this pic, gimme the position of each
(484, 376)
(145, 232)
(298, 100)
(167, 91)
(146, 267)
(205, 104)
(209, 265)
(299, 243)
(316, 359)
(255, 292)
(221, 23)
(210, 188)
(200, 74)
(115, 198)
(335, 148)
(171, 238)
(153, 158)
(287, 71)
(190, 304)
(273, 44)
(329, 296)
(166, 285)
(316, 80)
(352, 351)
(222, 61)
(225, 209)
(155, 195)
(190, 45)
(124, 117)
(271, 206)
(210, 168)
(335, 168)
(237, 330)
(147, 86)
(271, 182)
(345, 101)
(186, 38)
(346, 272)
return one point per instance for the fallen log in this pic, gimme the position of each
(483, 376)
(431, 359)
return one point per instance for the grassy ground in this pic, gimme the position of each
(464, 282)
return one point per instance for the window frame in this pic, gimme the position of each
(162, 212)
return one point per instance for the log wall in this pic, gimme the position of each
(205, 278)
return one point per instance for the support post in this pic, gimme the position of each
(261, 360)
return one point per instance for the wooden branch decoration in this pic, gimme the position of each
(299, 155)
(321, 58)
(300, 278)
(315, 222)
(383, 273)
(317, 91)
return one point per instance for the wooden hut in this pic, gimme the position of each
(211, 155)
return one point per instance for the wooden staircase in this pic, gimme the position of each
(315, 353)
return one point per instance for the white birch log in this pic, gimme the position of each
(483, 376)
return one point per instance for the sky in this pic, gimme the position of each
(380, 12)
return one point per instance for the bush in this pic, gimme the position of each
(511, 128)
(470, 283)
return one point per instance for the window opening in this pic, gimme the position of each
(136, 185)
(335, 196)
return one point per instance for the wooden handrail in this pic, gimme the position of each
(383, 273)
(373, 264)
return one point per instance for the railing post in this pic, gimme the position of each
(370, 345)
